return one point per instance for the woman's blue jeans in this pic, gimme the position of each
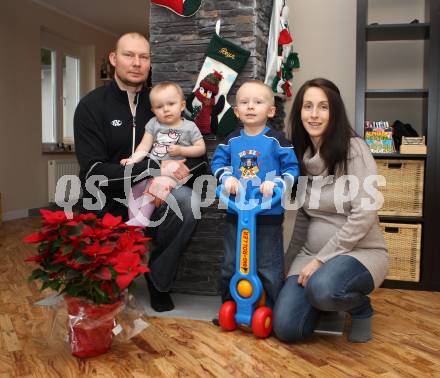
(341, 284)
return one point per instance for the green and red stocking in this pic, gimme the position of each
(207, 104)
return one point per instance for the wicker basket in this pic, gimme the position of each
(403, 242)
(403, 193)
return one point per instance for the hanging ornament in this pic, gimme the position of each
(184, 8)
(281, 60)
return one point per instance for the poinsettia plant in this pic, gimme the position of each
(87, 257)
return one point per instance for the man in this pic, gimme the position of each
(108, 125)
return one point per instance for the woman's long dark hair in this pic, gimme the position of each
(335, 142)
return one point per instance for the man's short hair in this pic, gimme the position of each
(133, 34)
(167, 84)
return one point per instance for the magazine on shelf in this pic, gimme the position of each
(379, 137)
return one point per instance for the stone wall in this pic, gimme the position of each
(178, 47)
(179, 44)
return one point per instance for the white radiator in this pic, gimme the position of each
(57, 169)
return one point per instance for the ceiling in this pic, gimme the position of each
(112, 16)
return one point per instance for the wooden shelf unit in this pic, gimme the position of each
(396, 93)
(393, 33)
(397, 32)
(398, 155)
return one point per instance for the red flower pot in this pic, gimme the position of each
(90, 326)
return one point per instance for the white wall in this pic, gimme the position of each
(324, 35)
(23, 167)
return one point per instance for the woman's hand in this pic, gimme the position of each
(308, 271)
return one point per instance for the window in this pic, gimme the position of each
(70, 99)
(61, 78)
(48, 95)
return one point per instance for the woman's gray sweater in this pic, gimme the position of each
(336, 218)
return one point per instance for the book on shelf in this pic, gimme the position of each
(413, 145)
(379, 137)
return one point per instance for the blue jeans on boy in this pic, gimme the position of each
(341, 284)
(270, 259)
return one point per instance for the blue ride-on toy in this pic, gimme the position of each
(248, 304)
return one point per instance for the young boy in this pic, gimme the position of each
(255, 156)
(169, 137)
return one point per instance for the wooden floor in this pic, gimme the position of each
(406, 340)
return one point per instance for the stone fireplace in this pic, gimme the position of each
(178, 46)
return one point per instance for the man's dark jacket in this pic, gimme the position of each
(103, 128)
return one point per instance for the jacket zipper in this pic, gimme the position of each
(133, 141)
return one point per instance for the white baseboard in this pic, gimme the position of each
(15, 214)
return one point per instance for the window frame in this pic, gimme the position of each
(62, 47)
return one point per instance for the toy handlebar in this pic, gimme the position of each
(240, 203)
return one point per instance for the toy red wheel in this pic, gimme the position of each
(262, 322)
(226, 316)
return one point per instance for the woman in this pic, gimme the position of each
(338, 250)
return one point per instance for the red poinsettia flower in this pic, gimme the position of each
(139, 249)
(104, 274)
(123, 280)
(128, 265)
(107, 287)
(59, 258)
(36, 258)
(97, 249)
(125, 262)
(139, 237)
(102, 233)
(72, 223)
(36, 237)
(86, 217)
(73, 264)
(53, 217)
(95, 233)
(110, 221)
(125, 243)
(87, 232)
(77, 253)
(132, 243)
(129, 227)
